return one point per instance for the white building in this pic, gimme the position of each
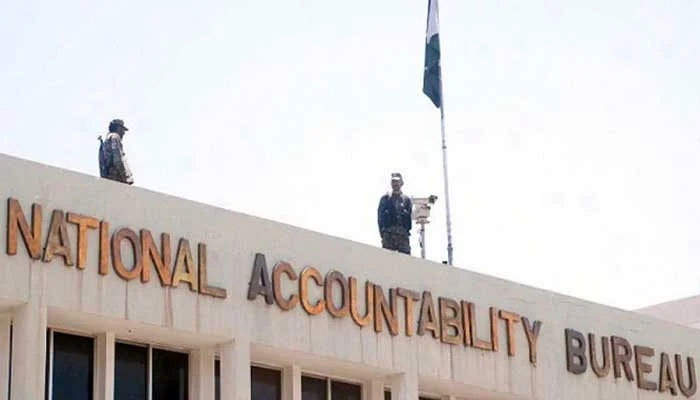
(114, 292)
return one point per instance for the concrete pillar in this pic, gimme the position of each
(202, 374)
(5, 327)
(104, 366)
(28, 351)
(235, 370)
(373, 390)
(404, 386)
(291, 383)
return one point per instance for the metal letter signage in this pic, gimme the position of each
(448, 320)
(617, 352)
(132, 254)
(141, 249)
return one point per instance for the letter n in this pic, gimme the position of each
(16, 221)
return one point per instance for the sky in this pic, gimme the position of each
(573, 128)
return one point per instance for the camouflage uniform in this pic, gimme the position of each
(117, 167)
(396, 238)
(394, 220)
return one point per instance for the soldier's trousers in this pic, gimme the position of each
(396, 241)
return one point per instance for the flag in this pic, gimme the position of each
(432, 77)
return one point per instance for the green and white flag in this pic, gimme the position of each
(432, 77)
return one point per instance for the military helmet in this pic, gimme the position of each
(117, 123)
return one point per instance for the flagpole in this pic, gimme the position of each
(444, 173)
(431, 74)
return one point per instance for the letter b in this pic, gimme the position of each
(576, 360)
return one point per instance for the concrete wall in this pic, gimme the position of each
(682, 311)
(35, 295)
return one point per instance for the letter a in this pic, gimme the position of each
(260, 280)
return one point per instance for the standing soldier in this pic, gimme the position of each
(394, 217)
(113, 164)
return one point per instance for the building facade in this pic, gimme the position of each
(114, 292)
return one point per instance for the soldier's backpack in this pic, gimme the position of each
(102, 158)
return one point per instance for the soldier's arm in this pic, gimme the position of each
(410, 210)
(128, 177)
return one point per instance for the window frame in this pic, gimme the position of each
(280, 369)
(272, 368)
(333, 378)
(151, 347)
(49, 368)
(421, 395)
(148, 362)
(48, 389)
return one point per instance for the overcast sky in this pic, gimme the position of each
(573, 127)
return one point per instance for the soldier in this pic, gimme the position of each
(394, 217)
(113, 164)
